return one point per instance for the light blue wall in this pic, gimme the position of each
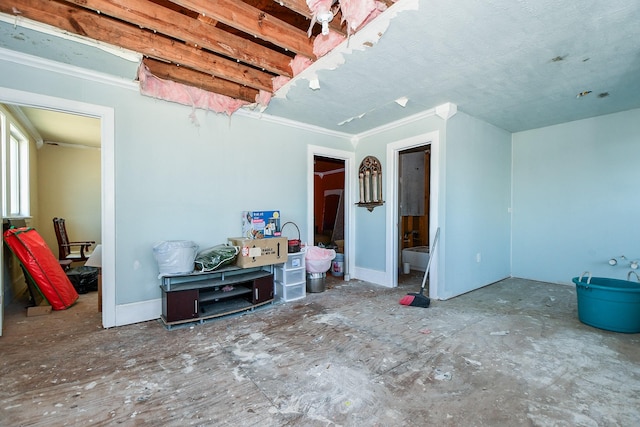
(371, 227)
(576, 202)
(476, 219)
(474, 197)
(178, 180)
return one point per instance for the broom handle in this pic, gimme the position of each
(432, 250)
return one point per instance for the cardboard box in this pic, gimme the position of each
(259, 252)
(261, 224)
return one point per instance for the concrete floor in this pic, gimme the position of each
(510, 354)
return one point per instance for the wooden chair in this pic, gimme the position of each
(66, 249)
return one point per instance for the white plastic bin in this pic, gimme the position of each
(290, 292)
(289, 277)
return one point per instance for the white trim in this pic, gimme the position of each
(292, 123)
(107, 136)
(66, 69)
(393, 156)
(350, 190)
(26, 123)
(137, 312)
(68, 145)
(373, 276)
(402, 122)
(446, 110)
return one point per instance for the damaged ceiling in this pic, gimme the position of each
(518, 64)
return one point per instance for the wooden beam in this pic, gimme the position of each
(192, 31)
(253, 21)
(96, 26)
(200, 80)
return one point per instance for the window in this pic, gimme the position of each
(15, 161)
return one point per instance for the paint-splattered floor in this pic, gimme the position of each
(510, 354)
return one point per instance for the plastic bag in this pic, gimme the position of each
(175, 256)
(216, 257)
(318, 260)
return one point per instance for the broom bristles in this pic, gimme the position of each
(415, 300)
(407, 300)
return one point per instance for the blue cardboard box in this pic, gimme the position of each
(261, 224)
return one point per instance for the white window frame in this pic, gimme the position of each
(15, 161)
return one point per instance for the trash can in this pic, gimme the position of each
(84, 279)
(316, 282)
(318, 261)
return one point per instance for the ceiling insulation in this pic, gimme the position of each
(224, 48)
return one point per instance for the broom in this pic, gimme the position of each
(417, 299)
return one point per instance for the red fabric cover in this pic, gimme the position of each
(42, 266)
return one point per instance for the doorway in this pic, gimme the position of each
(413, 203)
(414, 166)
(107, 160)
(328, 209)
(330, 204)
(65, 161)
(395, 236)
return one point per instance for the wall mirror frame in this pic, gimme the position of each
(370, 183)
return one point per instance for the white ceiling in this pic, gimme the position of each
(62, 128)
(517, 64)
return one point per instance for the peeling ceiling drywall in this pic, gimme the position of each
(518, 65)
(515, 64)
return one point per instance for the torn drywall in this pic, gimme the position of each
(377, 22)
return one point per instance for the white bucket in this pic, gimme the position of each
(406, 267)
(337, 265)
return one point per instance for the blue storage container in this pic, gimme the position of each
(610, 304)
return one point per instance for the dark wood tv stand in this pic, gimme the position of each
(198, 296)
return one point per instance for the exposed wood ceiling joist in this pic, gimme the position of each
(231, 47)
(192, 31)
(254, 22)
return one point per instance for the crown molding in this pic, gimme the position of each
(62, 68)
(293, 123)
(402, 122)
(19, 115)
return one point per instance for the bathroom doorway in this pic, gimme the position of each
(414, 168)
(329, 181)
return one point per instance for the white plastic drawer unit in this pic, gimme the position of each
(290, 292)
(289, 277)
(295, 260)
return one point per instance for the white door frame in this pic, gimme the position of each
(349, 159)
(393, 161)
(107, 137)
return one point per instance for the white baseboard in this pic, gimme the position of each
(374, 276)
(136, 312)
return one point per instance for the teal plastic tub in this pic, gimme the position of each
(609, 304)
